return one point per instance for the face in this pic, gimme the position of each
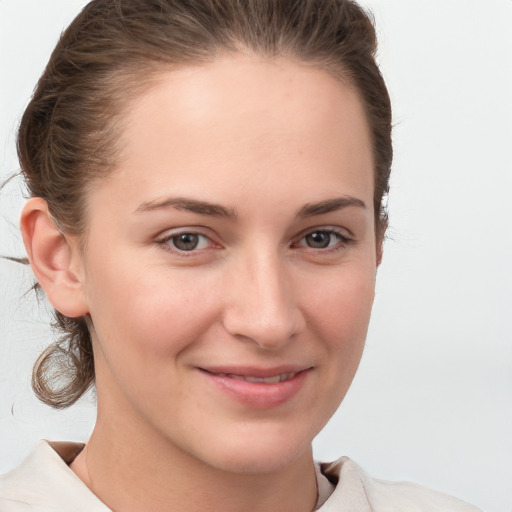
(230, 261)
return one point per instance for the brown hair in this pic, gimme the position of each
(109, 54)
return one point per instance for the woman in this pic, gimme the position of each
(206, 218)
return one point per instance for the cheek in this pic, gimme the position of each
(148, 313)
(342, 306)
(339, 316)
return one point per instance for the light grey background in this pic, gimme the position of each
(432, 402)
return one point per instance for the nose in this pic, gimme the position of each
(260, 302)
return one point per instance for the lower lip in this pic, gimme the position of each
(258, 395)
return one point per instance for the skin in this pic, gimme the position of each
(263, 140)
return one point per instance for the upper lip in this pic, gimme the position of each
(256, 371)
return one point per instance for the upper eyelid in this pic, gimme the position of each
(165, 242)
(195, 230)
(343, 232)
(208, 233)
(169, 234)
(343, 241)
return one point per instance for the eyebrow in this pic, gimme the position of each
(330, 205)
(190, 205)
(217, 210)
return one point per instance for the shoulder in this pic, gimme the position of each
(354, 487)
(43, 482)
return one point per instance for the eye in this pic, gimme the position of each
(187, 242)
(323, 239)
(319, 239)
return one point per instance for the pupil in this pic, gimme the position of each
(318, 240)
(186, 241)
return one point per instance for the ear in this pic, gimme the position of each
(55, 259)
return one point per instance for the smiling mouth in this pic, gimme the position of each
(260, 388)
(282, 377)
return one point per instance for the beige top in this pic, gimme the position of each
(45, 483)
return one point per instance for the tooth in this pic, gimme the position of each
(236, 377)
(270, 380)
(259, 380)
(255, 379)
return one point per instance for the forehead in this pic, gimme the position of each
(243, 121)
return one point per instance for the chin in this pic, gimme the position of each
(256, 463)
(258, 453)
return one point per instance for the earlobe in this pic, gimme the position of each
(54, 259)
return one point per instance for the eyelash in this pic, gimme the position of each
(343, 241)
(167, 243)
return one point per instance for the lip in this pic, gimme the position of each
(231, 382)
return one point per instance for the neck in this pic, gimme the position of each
(131, 469)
